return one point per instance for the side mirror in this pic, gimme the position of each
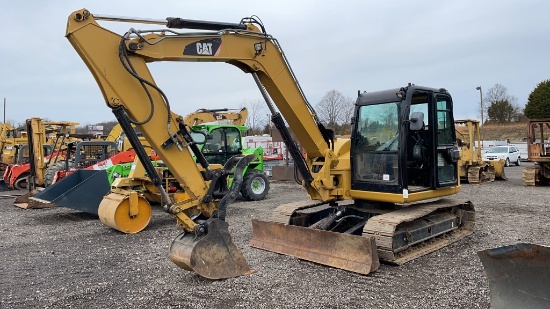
(416, 121)
(455, 154)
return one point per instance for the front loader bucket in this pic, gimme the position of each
(519, 275)
(82, 190)
(213, 256)
(350, 252)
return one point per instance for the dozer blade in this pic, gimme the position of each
(519, 275)
(213, 256)
(499, 169)
(345, 251)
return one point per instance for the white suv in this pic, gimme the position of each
(507, 153)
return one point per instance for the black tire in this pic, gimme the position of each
(255, 185)
(518, 162)
(52, 170)
(22, 183)
(507, 163)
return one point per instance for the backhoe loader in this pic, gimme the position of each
(370, 198)
(471, 165)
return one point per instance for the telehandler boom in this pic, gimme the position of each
(220, 115)
(369, 194)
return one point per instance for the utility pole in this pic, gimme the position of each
(482, 112)
(4, 110)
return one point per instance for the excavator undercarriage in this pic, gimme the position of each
(395, 235)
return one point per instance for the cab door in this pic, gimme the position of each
(446, 151)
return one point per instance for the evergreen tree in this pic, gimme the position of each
(538, 103)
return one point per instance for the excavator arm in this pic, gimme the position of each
(130, 91)
(119, 65)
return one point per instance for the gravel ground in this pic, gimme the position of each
(52, 258)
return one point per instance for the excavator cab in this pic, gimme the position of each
(400, 136)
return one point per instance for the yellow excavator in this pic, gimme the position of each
(471, 165)
(381, 195)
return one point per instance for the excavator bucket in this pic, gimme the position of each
(519, 275)
(82, 190)
(213, 255)
(339, 250)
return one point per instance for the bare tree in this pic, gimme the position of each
(347, 112)
(333, 108)
(499, 105)
(256, 116)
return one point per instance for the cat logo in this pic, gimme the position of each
(208, 47)
(204, 49)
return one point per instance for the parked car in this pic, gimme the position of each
(507, 153)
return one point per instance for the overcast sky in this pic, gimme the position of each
(341, 45)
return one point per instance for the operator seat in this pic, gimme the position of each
(417, 152)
